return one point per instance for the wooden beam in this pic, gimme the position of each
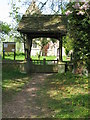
(14, 52)
(25, 49)
(60, 49)
(29, 44)
(3, 51)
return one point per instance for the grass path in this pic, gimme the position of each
(47, 96)
(26, 103)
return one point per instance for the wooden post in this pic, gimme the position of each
(25, 50)
(3, 51)
(14, 55)
(14, 52)
(29, 44)
(60, 49)
(71, 57)
(28, 54)
(44, 61)
(28, 48)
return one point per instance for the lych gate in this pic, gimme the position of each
(34, 25)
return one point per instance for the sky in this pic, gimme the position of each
(5, 9)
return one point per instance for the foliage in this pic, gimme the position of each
(15, 14)
(78, 27)
(4, 28)
(9, 32)
(67, 43)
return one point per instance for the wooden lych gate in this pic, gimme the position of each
(34, 25)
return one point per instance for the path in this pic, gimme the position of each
(25, 104)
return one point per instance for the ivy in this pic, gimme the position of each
(78, 14)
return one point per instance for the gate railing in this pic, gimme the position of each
(44, 62)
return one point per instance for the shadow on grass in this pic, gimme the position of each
(66, 95)
(68, 79)
(9, 73)
(12, 82)
(74, 107)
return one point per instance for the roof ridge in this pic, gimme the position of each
(33, 9)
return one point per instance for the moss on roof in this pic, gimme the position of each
(34, 21)
(42, 23)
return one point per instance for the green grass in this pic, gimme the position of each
(65, 58)
(21, 56)
(13, 81)
(66, 95)
(42, 57)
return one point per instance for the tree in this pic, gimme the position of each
(43, 43)
(68, 43)
(4, 30)
(78, 24)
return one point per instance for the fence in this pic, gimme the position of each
(45, 62)
(38, 66)
(68, 65)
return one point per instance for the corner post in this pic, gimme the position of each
(29, 45)
(61, 65)
(3, 51)
(60, 49)
(14, 51)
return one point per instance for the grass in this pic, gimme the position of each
(46, 57)
(21, 56)
(13, 81)
(66, 95)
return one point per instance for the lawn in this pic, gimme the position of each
(13, 81)
(67, 95)
(21, 56)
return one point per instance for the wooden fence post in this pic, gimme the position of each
(3, 51)
(44, 61)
